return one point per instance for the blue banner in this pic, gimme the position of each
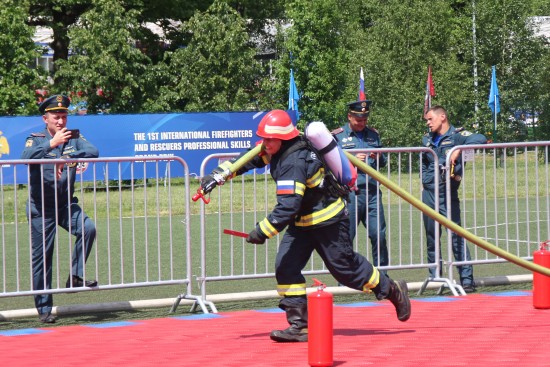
(191, 136)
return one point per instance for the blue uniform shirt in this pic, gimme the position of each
(37, 146)
(441, 145)
(369, 138)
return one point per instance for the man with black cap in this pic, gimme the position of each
(52, 202)
(366, 202)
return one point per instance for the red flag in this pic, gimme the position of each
(430, 92)
(362, 95)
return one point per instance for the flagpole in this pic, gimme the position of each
(474, 39)
(495, 124)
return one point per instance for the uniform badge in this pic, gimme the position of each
(28, 143)
(465, 133)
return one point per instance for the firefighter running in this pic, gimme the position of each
(317, 219)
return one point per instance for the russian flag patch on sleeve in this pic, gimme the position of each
(285, 187)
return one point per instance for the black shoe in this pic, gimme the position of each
(47, 318)
(469, 288)
(79, 282)
(289, 335)
(399, 296)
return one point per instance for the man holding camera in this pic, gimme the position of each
(52, 200)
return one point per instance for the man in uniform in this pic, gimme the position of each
(52, 202)
(441, 138)
(317, 219)
(366, 201)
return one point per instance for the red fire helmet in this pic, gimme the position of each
(276, 124)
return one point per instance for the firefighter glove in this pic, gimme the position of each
(256, 237)
(208, 183)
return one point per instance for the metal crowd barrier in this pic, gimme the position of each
(142, 212)
(505, 200)
(140, 207)
(245, 200)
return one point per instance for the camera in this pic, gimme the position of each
(75, 133)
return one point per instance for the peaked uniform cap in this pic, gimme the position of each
(55, 103)
(359, 108)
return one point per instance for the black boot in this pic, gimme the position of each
(297, 331)
(399, 296)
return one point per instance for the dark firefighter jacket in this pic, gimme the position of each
(302, 199)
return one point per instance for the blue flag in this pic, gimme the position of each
(494, 98)
(293, 96)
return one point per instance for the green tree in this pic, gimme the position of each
(506, 40)
(401, 41)
(105, 68)
(216, 71)
(315, 42)
(60, 15)
(540, 7)
(18, 77)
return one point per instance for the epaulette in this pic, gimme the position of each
(461, 131)
(38, 135)
(337, 131)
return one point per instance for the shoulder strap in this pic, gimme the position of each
(300, 144)
(337, 131)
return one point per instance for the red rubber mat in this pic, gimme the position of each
(496, 329)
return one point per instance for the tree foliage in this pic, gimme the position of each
(105, 68)
(401, 43)
(18, 81)
(314, 41)
(216, 71)
(60, 15)
(217, 56)
(507, 41)
(395, 41)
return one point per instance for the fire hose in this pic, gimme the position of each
(235, 166)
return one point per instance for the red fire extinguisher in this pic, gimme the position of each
(320, 326)
(541, 283)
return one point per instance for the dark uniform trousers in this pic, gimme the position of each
(43, 231)
(333, 244)
(360, 212)
(460, 251)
